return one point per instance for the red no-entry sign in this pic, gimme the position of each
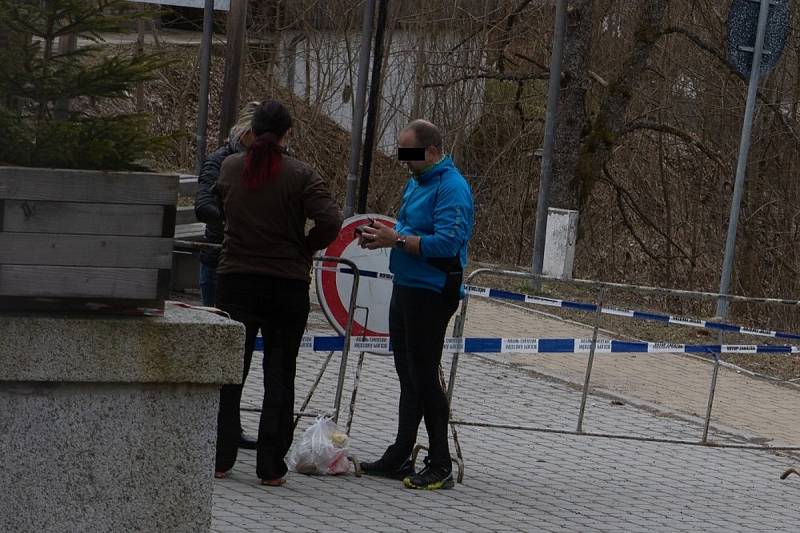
(334, 283)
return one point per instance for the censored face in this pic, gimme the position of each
(411, 154)
(414, 156)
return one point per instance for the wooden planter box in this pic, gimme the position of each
(86, 240)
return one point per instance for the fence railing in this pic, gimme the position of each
(602, 288)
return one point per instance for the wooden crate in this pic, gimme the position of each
(86, 240)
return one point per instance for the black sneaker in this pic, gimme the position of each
(431, 478)
(383, 468)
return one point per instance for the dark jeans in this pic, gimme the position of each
(417, 325)
(208, 284)
(279, 308)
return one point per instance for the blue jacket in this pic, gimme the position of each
(437, 206)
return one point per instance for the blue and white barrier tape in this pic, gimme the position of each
(535, 345)
(580, 306)
(639, 315)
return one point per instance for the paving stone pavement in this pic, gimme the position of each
(515, 480)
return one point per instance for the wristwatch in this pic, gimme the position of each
(400, 242)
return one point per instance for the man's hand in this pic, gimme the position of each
(377, 235)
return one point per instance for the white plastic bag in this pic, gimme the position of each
(322, 450)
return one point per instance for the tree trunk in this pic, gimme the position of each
(610, 119)
(572, 118)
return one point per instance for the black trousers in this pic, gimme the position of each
(418, 321)
(279, 309)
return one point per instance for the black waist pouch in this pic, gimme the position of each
(454, 274)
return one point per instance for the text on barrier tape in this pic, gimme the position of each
(538, 345)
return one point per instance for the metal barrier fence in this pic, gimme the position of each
(597, 309)
(198, 246)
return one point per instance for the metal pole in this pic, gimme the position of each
(236, 36)
(551, 114)
(711, 392)
(347, 333)
(374, 104)
(585, 392)
(205, 70)
(358, 112)
(139, 52)
(458, 333)
(741, 164)
(313, 388)
(621, 437)
(353, 396)
(357, 379)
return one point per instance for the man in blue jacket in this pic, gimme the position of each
(429, 253)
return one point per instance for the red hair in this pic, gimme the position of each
(262, 162)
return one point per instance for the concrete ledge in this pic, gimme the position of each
(183, 346)
(109, 424)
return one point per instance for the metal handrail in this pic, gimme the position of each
(625, 286)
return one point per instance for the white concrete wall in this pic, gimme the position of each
(332, 60)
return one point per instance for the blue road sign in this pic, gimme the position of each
(742, 25)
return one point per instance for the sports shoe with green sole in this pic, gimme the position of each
(431, 478)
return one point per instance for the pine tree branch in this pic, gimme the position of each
(35, 75)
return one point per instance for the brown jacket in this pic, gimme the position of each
(265, 228)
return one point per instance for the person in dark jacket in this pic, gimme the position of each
(207, 209)
(264, 274)
(206, 205)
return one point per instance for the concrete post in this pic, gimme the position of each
(559, 248)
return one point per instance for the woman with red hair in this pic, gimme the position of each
(264, 274)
